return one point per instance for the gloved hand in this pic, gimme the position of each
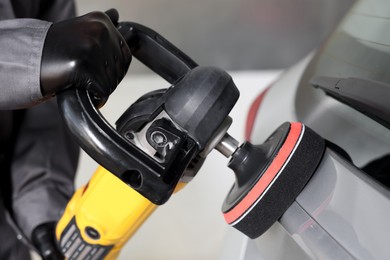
(43, 238)
(85, 52)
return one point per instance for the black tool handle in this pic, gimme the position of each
(101, 141)
(155, 51)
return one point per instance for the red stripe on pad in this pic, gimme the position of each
(258, 189)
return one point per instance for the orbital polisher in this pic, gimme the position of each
(159, 144)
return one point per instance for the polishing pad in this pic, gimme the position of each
(270, 176)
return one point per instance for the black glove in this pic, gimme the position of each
(43, 238)
(87, 52)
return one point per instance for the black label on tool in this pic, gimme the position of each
(73, 247)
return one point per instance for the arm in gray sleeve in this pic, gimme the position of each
(43, 167)
(21, 44)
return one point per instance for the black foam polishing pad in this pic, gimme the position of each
(270, 176)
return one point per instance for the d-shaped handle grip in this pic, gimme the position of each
(156, 52)
(101, 141)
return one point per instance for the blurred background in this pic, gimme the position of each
(234, 34)
(255, 40)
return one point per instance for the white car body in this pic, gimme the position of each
(343, 212)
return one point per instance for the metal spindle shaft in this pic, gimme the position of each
(227, 146)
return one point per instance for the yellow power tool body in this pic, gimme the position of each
(101, 217)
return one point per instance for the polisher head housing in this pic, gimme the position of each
(270, 176)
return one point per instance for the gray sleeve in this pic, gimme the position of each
(43, 167)
(21, 44)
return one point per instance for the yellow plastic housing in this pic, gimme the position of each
(110, 207)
